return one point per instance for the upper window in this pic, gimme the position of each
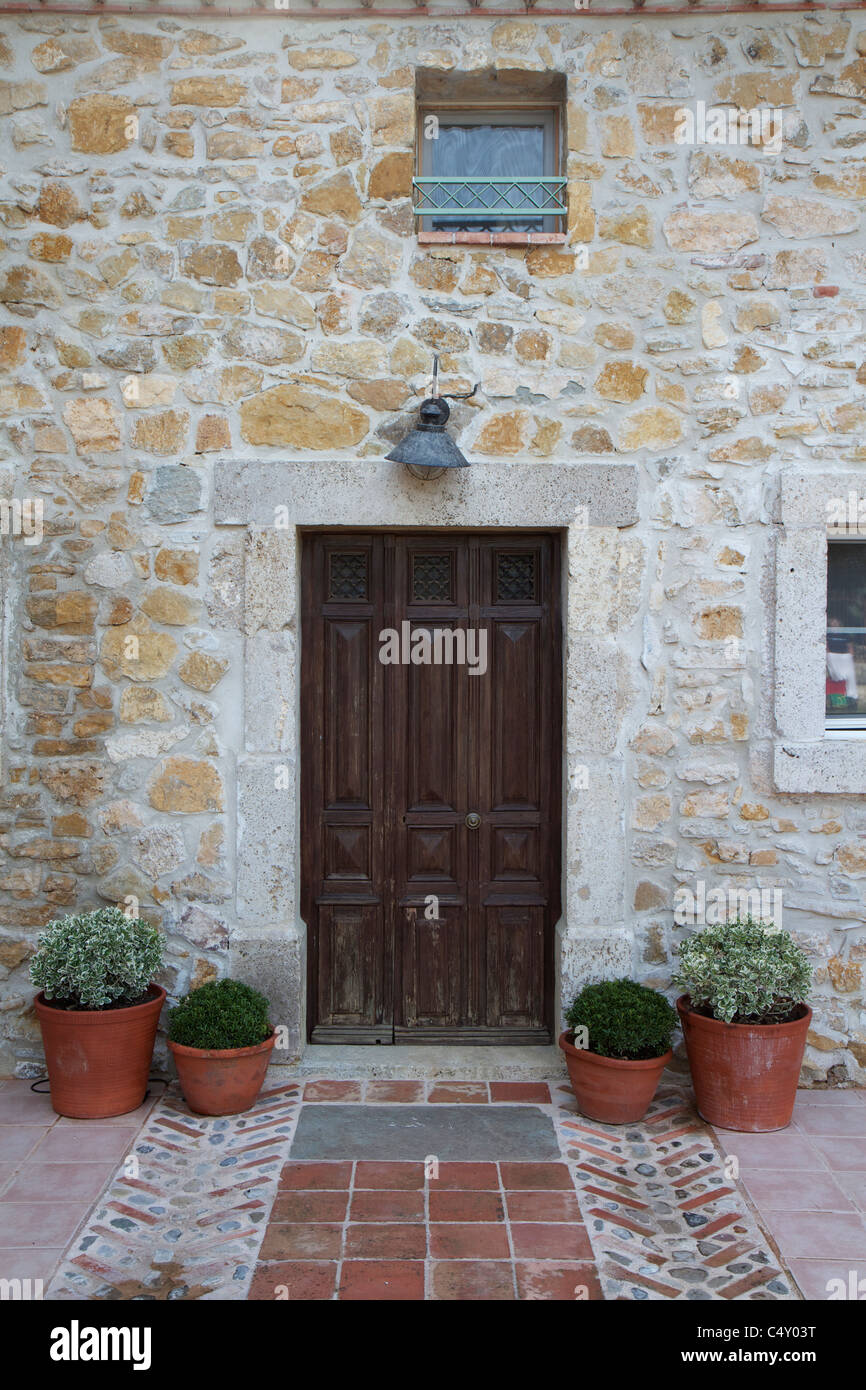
(486, 170)
(846, 635)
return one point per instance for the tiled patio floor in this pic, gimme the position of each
(226, 1209)
(52, 1170)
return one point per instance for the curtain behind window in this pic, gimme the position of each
(846, 629)
(462, 151)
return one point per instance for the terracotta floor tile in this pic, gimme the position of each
(298, 1175)
(543, 1206)
(20, 1105)
(370, 1241)
(294, 1280)
(395, 1092)
(380, 1280)
(559, 1241)
(34, 1262)
(332, 1090)
(814, 1276)
(42, 1182)
(458, 1092)
(785, 1149)
(557, 1281)
(523, 1176)
(382, 1205)
(479, 1240)
(466, 1176)
(844, 1120)
(477, 1280)
(466, 1206)
(86, 1142)
(524, 1092)
(7, 1170)
(297, 1241)
(819, 1235)
(311, 1206)
(839, 1154)
(850, 1095)
(17, 1141)
(773, 1189)
(40, 1223)
(853, 1184)
(390, 1175)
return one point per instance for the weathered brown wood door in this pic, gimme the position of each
(431, 797)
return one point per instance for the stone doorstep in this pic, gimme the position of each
(423, 1063)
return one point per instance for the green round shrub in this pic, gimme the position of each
(96, 959)
(623, 1019)
(220, 1015)
(743, 972)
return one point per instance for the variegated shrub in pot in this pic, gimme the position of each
(745, 1020)
(617, 1046)
(98, 1010)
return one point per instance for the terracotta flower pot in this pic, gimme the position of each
(611, 1089)
(98, 1059)
(222, 1081)
(745, 1074)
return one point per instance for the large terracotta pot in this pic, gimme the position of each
(609, 1089)
(745, 1074)
(98, 1059)
(222, 1081)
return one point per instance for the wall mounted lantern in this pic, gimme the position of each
(427, 450)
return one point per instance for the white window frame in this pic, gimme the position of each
(809, 756)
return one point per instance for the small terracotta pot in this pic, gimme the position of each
(611, 1089)
(98, 1059)
(222, 1081)
(745, 1075)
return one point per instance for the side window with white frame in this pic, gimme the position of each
(846, 635)
(489, 170)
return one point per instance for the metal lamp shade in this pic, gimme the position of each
(428, 446)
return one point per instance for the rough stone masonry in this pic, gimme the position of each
(209, 253)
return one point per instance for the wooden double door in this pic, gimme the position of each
(431, 787)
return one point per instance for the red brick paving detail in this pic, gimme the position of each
(468, 1175)
(333, 1090)
(465, 1206)
(479, 1240)
(382, 1279)
(524, 1092)
(395, 1092)
(294, 1280)
(383, 1205)
(386, 1242)
(301, 1242)
(458, 1092)
(522, 1176)
(562, 1241)
(470, 1279)
(546, 1279)
(304, 1175)
(311, 1206)
(543, 1206)
(404, 1176)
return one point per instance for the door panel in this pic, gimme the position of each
(423, 927)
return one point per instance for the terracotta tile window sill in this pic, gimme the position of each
(491, 238)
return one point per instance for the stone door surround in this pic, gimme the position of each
(273, 501)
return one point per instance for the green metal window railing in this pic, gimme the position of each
(478, 197)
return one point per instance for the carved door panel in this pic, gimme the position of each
(430, 795)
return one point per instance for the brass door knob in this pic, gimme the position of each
(473, 820)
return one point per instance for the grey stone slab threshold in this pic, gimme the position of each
(450, 1132)
(419, 1062)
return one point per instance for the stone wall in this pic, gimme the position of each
(209, 254)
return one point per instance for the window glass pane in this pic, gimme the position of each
(846, 630)
(495, 151)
